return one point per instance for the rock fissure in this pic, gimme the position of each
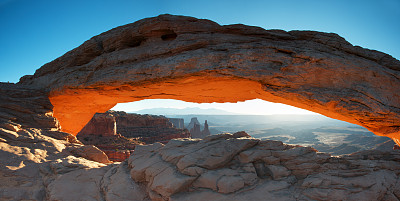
(200, 61)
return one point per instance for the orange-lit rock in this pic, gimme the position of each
(197, 60)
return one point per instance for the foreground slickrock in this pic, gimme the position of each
(197, 60)
(200, 61)
(39, 162)
(237, 167)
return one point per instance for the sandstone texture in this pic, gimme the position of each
(238, 167)
(101, 124)
(33, 150)
(116, 133)
(40, 162)
(147, 128)
(185, 58)
(200, 61)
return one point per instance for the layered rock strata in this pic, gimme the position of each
(177, 122)
(196, 60)
(195, 132)
(147, 128)
(33, 151)
(116, 132)
(238, 167)
(101, 131)
(39, 162)
(200, 61)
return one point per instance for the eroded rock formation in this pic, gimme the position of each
(33, 151)
(196, 131)
(103, 124)
(116, 132)
(185, 58)
(101, 131)
(147, 128)
(198, 60)
(177, 122)
(238, 167)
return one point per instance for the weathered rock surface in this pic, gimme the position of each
(43, 163)
(33, 152)
(147, 128)
(101, 124)
(177, 122)
(116, 133)
(238, 167)
(198, 60)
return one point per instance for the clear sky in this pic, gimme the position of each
(34, 32)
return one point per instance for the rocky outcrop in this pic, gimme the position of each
(195, 131)
(238, 167)
(147, 128)
(116, 132)
(205, 132)
(101, 124)
(116, 147)
(177, 122)
(101, 131)
(189, 59)
(33, 152)
(193, 122)
(200, 61)
(39, 162)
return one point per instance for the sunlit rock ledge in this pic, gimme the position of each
(200, 61)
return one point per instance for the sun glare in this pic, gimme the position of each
(249, 107)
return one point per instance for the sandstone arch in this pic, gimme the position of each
(200, 61)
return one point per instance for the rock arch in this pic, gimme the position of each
(198, 60)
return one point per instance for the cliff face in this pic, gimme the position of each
(200, 61)
(196, 131)
(189, 59)
(177, 122)
(39, 162)
(101, 123)
(147, 128)
(116, 133)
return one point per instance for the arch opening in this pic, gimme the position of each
(160, 120)
(75, 107)
(195, 60)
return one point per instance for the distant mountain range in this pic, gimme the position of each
(184, 111)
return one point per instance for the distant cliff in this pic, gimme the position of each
(101, 131)
(195, 131)
(147, 128)
(177, 122)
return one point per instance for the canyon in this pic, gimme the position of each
(116, 133)
(199, 60)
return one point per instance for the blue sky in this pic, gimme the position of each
(34, 32)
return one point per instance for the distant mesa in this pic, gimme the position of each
(116, 132)
(198, 60)
(205, 62)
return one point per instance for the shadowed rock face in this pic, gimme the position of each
(191, 59)
(198, 60)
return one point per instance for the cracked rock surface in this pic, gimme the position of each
(39, 162)
(244, 168)
(197, 60)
